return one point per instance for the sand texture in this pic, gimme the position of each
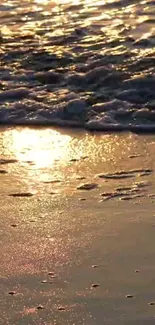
(77, 228)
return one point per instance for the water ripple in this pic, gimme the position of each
(89, 64)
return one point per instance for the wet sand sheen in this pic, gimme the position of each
(85, 253)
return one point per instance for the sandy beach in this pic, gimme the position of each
(77, 225)
(77, 207)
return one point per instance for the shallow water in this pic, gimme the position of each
(79, 63)
(57, 162)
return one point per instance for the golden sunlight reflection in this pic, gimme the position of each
(41, 148)
(42, 1)
(58, 17)
(54, 161)
(49, 153)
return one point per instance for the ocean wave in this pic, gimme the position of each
(95, 73)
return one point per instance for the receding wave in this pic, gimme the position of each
(90, 65)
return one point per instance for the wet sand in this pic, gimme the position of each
(76, 228)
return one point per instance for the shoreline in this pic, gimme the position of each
(92, 128)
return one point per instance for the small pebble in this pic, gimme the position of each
(21, 194)
(95, 285)
(40, 307)
(61, 308)
(84, 157)
(87, 186)
(95, 266)
(12, 293)
(44, 281)
(129, 296)
(14, 225)
(73, 159)
(7, 161)
(152, 303)
(51, 273)
(2, 171)
(136, 271)
(52, 181)
(134, 156)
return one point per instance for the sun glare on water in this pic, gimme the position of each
(42, 1)
(42, 148)
(73, 2)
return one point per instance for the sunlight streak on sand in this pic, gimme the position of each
(43, 149)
